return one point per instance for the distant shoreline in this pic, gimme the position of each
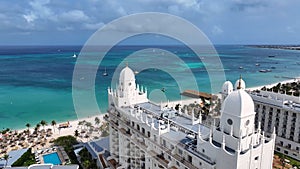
(274, 84)
(284, 47)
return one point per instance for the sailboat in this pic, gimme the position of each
(105, 73)
(74, 56)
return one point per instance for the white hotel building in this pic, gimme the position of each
(276, 110)
(282, 112)
(145, 135)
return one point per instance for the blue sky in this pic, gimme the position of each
(70, 22)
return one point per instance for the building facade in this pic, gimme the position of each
(146, 135)
(282, 112)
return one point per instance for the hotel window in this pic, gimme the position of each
(164, 143)
(143, 130)
(256, 158)
(190, 159)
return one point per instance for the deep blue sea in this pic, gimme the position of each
(36, 81)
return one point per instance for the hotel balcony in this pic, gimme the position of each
(159, 158)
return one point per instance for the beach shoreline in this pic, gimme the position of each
(274, 84)
(74, 122)
(70, 130)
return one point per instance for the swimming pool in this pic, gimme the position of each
(52, 158)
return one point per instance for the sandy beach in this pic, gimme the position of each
(85, 133)
(296, 79)
(73, 125)
(44, 140)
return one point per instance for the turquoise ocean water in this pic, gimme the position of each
(36, 82)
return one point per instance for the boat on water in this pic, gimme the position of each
(105, 73)
(257, 64)
(136, 72)
(241, 67)
(271, 56)
(74, 55)
(265, 70)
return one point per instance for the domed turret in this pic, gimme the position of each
(227, 88)
(238, 113)
(238, 103)
(127, 92)
(240, 84)
(126, 75)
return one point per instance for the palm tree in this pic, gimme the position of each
(53, 123)
(6, 157)
(86, 164)
(83, 122)
(88, 124)
(76, 134)
(43, 123)
(28, 125)
(97, 121)
(80, 123)
(38, 126)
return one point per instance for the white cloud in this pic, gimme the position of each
(74, 16)
(188, 3)
(212, 17)
(290, 29)
(40, 8)
(216, 30)
(93, 26)
(66, 28)
(30, 17)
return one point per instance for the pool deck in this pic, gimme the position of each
(59, 150)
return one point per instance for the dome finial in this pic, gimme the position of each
(239, 85)
(126, 63)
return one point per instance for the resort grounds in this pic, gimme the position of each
(40, 138)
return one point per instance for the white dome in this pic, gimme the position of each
(227, 87)
(240, 82)
(126, 75)
(239, 104)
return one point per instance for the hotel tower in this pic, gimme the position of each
(148, 136)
